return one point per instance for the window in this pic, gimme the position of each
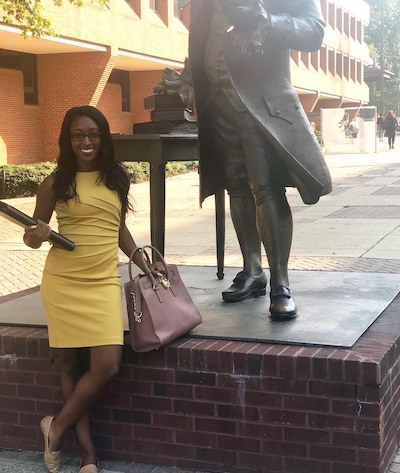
(154, 5)
(339, 19)
(315, 60)
(346, 67)
(136, 6)
(346, 23)
(305, 58)
(324, 8)
(353, 27)
(324, 58)
(177, 10)
(353, 71)
(359, 72)
(295, 56)
(359, 31)
(178, 7)
(122, 78)
(331, 19)
(27, 64)
(339, 64)
(331, 61)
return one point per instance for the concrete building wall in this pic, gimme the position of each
(155, 34)
(334, 75)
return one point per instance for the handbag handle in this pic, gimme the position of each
(146, 262)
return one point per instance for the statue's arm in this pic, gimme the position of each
(186, 73)
(301, 28)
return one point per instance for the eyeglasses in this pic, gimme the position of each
(79, 136)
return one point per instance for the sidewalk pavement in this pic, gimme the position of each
(355, 228)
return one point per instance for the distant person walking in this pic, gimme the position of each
(391, 124)
(380, 125)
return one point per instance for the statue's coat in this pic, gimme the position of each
(263, 83)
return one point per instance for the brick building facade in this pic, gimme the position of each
(112, 57)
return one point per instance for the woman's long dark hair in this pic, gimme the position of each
(112, 172)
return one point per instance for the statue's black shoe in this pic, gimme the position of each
(245, 285)
(282, 305)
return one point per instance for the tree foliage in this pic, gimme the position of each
(29, 15)
(383, 38)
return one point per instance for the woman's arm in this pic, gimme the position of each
(125, 241)
(128, 245)
(35, 235)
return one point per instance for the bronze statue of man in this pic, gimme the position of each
(254, 136)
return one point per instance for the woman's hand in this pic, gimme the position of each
(157, 269)
(35, 235)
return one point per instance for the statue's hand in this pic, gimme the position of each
(251, 41)
(172, 83)
(242, 41)
(243, 13)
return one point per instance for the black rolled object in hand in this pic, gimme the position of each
(20, 218)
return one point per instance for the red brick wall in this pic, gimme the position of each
(110, 104)
(221, 405)
(142, 84)
(20, 135)
(65, 80)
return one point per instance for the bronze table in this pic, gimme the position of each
(158, 149)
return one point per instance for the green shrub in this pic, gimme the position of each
(173, 168)
(318, 134)
(18, 180)
(138, 172)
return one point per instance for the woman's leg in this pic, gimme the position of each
(73, 364)
(104, 365)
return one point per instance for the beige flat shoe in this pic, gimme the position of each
(51, 460)
(91, 468)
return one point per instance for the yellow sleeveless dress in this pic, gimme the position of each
(81, 289)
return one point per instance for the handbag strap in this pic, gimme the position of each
(137, 301)
(146, 262)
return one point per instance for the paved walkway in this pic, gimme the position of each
(356, 228)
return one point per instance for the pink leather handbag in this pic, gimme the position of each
(159, 309)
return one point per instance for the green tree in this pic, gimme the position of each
(383, 38)
(29, 16)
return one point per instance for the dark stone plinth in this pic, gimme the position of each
(164, 127)
(225, 406)
(164, 102)
(168, 116)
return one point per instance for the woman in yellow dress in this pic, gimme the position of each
(81, 290)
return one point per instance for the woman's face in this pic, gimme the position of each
(85, 142)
